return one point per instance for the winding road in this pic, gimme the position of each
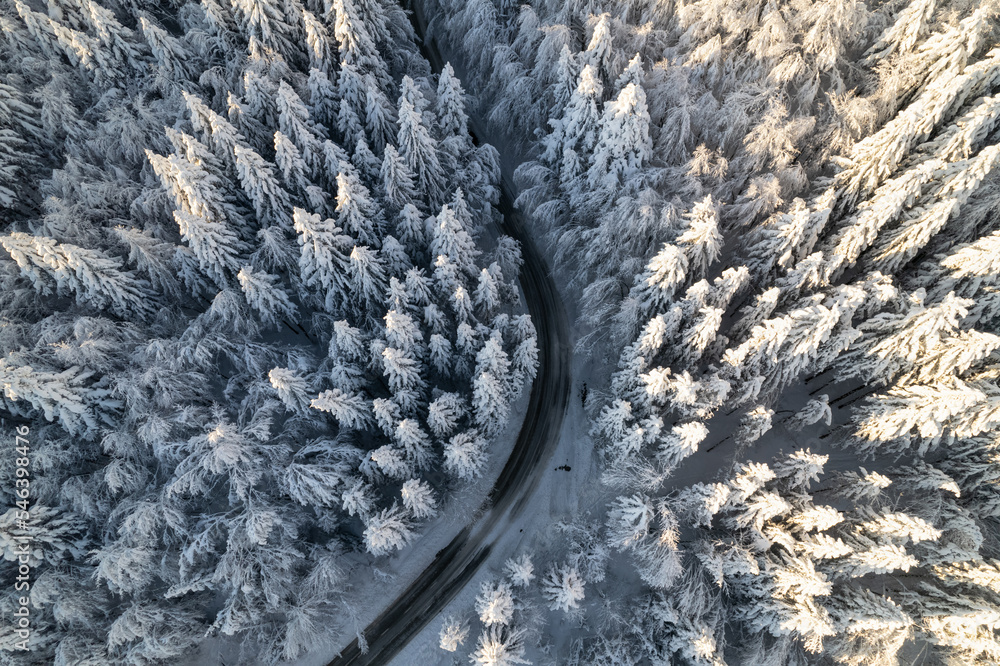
(455, 564)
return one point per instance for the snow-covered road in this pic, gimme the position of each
(454, 565)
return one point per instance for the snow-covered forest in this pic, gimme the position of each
(779, 221)
(261, 321)
(255, 311)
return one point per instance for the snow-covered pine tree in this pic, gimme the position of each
(388, 530)
(563, 588)
(416, 145)
(324, 262)
(623, 144)
(92, 277)
(265, 295)
(356, 212)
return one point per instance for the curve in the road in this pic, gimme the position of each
(454, 565)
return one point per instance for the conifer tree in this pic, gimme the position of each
(294, 120)
(356, 212)
(257, 179)
(218, 250)
(323, 104)
(324, 262)
(416, 146)
(380, 116)
(318, 42)
(450, 105)
(266, 21)
(453, 633)
(195, 189)
(495, 603)
(265, 296)
(359, 27)
(290, 163)
(623, 144)
(419, 499)
(465, 455)
(171, 55)
(563, 587)
(368, 275)
(701, 241)
(91, 276)
(388, 530)
(397, 180)
(350, 114)
(574, 136)
(58, 395)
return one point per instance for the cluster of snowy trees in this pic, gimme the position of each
(756, 202)
(253, 311)
(786, 563)
(854, 569)
(509, 609)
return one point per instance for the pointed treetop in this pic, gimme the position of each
(451, 104)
